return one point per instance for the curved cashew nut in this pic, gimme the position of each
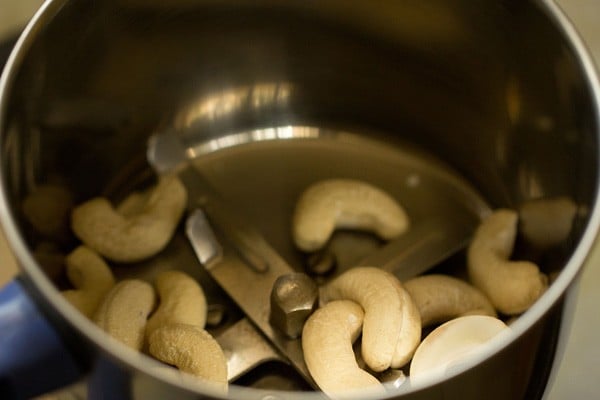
(47, 209)
(382, 297)
(139, 233)
(452, 344)
(410, 334)
(327, 339)
(440, 298)
(345, 203)
(91, 277)
(133, 204)
(182, 300)
(547, 222)
(192, 350)
(124, 311)
(511, 286)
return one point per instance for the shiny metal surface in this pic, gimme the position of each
(499, 90)
(244, 345)
(294, 297)
(202, 238)
(245, 349)
(426, 245)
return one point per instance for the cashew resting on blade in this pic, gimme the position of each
(91, 277)
(389, 315)
(192, 350)
(327, 339)
(453, 344)
(182, 300)
(143, 229)
(440, 298)
(124, 312)
(345, 203)
(511, 286)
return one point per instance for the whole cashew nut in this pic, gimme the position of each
(389, 315)
(91, 277)
(440, 298)
(141, 232)
(410, 334)
(327, 339)
(47, 209)
(124, 311)
(182, 300)
(547, 222)
(192, 350)
(453, 344)
(133, 204)
(511, 286)
(345, 203)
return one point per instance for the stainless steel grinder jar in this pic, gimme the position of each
(268, 95)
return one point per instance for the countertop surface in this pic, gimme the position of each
(577, 376)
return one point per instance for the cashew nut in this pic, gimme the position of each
(345, 203)
(192, 350)
(133, 204)
(91, 277)
(47, 209)
(547, 222)
(453, 344)
(388, 314)
(410, 334)
(124, 311)
(327, 339)
(511, 286)
(182, 300)
(144, 229)
(440, 298)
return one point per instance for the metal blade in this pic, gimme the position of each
(245, 349)
(246, 270)
(425, 245)
(246, 266)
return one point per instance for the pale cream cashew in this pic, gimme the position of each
(410, 334)
(133, 204)
(191, 349)
(124, 312)
(388, 314)
(141, 232)
(511, 286)
(453, 344)
(327, 339)
(547, 222)
(440, 298)
(91, 277)
(182, 300)
(345, 203)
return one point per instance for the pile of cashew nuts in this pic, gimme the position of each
(390, 316)
(167, 319)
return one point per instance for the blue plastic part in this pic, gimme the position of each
(33, 358)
